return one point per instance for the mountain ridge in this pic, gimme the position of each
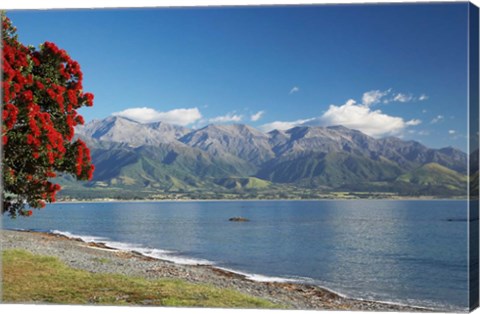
(159, 156)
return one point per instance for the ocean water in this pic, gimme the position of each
(408, 252)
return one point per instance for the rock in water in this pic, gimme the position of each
(239, 219)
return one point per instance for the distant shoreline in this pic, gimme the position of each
(253, 200)
(82, 255)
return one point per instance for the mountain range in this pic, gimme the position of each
(154, 159)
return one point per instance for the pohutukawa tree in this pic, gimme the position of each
(41, 92)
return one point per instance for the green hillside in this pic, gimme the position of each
(334, 169)
(434, 176)
(242, 183)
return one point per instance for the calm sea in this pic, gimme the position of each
(409, 252)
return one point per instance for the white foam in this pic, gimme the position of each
(259, 278)
(157, 253)
(132, 247)
(185, 260)
(84, 238)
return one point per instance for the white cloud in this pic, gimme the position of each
(377, 96)
(360, 117)
(294, 89)
(451, 132)
(283, 125)
(257, 116)
(413, 122)
(182, 116)
(354, 116)
(402, 97)
(437, 119)
(230, 117)
(373, 97)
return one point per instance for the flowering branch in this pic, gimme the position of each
(41, 92)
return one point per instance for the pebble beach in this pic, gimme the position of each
(90, 256)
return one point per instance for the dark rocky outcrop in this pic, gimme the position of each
(238, 219)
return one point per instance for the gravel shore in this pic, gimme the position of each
(97, 258)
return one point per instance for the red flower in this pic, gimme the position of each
(10, 116)
(90, 172)
(72, 97)
(79, 120)
(51, 93)
(30, 79)
(28, 95)
(51, 158)
(89, 97)
(36, 61)
(59, 100)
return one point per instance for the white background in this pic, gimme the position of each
(47, 4)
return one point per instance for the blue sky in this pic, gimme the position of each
(395, 69)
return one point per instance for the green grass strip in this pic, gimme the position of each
(29, 278)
